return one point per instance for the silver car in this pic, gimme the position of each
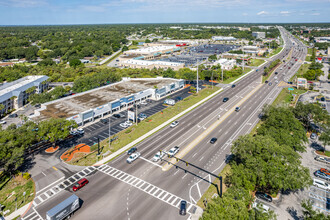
(133, 157)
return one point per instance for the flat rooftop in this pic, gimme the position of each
(11, 86)
(73, 105)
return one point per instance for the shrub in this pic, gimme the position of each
(26, 176)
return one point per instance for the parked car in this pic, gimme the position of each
(213, 140)
(132, 150)
(264, 196)
(133, 157)
(37, 105)
(81, 183)
(173, 151)
(80, 131)
(159, 155)
(129, 123)
(225, 99)
(2, 122)
(313, 136)
(13, 115)
(178, 98)
(321, 184)
(237, 109)
(321, 175)
(123, 125)
(183, 207)
(326, 171)
(143, 102)
(116, 115)
(74, 132)
(261, 207)
(104, 121)
(142, 115)
(174, 124)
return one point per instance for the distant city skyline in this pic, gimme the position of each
(47, 12)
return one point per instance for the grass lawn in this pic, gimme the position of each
(286, 98)
(276, 51)
(246, 70)
(128, 135)
(256, 62)
(326, 153)
(15, 187)
(212, 189)
(302, 70)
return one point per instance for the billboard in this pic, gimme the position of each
(131, 115)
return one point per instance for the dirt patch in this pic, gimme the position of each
(52, 149)
(80, 148)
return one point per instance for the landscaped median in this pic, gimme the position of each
(274, 52)
(256, 62)
(135, 134)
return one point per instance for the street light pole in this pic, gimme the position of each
(197, 75)
(109, 131)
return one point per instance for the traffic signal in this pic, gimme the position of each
(187, 163)
(177, 159)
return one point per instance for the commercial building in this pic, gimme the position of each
(322, 39)
(152, 50)
(148, 64)
(226, 64)
(302, 83)
(251, 49)
(14, 95)
(223, 38)
(259, 34)
(96, 103)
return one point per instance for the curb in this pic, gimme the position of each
(125, 148)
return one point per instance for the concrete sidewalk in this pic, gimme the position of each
(18, 212)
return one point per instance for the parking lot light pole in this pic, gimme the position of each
(109, 131)
(197, 76)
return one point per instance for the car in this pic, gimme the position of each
(2, 122)
(183, 207)
(132, 150)
(266, 81)
(123, 125)
(275, 77)
(237, 109)
(129, 123)
(174, 124)
(131, 109)
(173, 151)
(81, 183)
(270, 84)
(104, 121)
(225, 99)
(13, 115)
(213, 140)
(326, 171)
(289, 67)
(321, 184)
(159, 155)
(322, 175)
(80, 131)
(233, 86)
(313, 136)
(290, 83)
(37, 105)
(143, 102)
(276, 81)
(260, 206)
(276, 73)
(133, 157)
(74, 132)
(264, 196)
(178, 98)
(142, 115)
(116, 115)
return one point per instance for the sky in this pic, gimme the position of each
(52, 12)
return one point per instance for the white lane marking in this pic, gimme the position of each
(153, 163)
(184, 176)
(201, 158)
(195, 154)
(50, 185)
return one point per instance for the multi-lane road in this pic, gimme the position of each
(143, 190)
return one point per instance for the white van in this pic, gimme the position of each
(321, 184)
(262, 207)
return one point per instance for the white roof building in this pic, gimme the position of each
(150, 50)
(223, 38)
(225, 64)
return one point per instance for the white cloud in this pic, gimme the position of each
(262, 13)
(245, 14)
(315, 14)
(23, 3)
(284, 12)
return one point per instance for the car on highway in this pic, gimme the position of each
(225, 99)
(174, 124)
(264, 196)
(321, 175)
(237, 109)
(159, 155)
(13, 115)
(213, 140)
(116, 115)
(270, 84)
(326, 171)
(132, 150)
(133, 157)
(104, 121)
(81, 183)
(183, 207)
(173, 151)
(80, 131)
(233, 86)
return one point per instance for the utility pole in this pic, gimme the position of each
(197, 76)
(222, 74)
(212, 79)
(136, 119)
(109, 131)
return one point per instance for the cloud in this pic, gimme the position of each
(262, 13)
(315, 14)
(284, 12)
(23, 3)
(245, 14)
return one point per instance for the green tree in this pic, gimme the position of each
(75, 63)
(47, 62)
(311, 214)
(325, 139)
(147, 41)
(213, 57)
(125, 48)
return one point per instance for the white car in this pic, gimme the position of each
(133, 157)
(275, 77)
(174, 123)
(173, 151)
(80, 131)
(143, 102)
(141, 119)
(159, 155)
(129, 123)
(73, 132)
(123, 125)
(3, 122)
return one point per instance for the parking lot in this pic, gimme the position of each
(100, 131)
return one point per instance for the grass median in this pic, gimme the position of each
(227, 81)
(256, 62)
(132, 133)
(274, 52)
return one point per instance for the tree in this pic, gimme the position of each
(311, 214)
(325, 139)
(147, 41)
(75, 63)
(47, 62)
(55, 129)
(213, 57)
(125, 48)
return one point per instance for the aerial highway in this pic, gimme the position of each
(153, 190)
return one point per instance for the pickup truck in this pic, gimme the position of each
(173, 151)
(64, 209)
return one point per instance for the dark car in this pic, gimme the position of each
(270, 83)
(13, 115)
(237, 109)
(80, 184)
(183, 207)
(116, 115)
(104, 121)
(233, 86)
(178, 98)
(276, 73)
(213, 140)
(225, 99)
(266, 81)
(38, 106)
(264, 196)
(132, 150)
